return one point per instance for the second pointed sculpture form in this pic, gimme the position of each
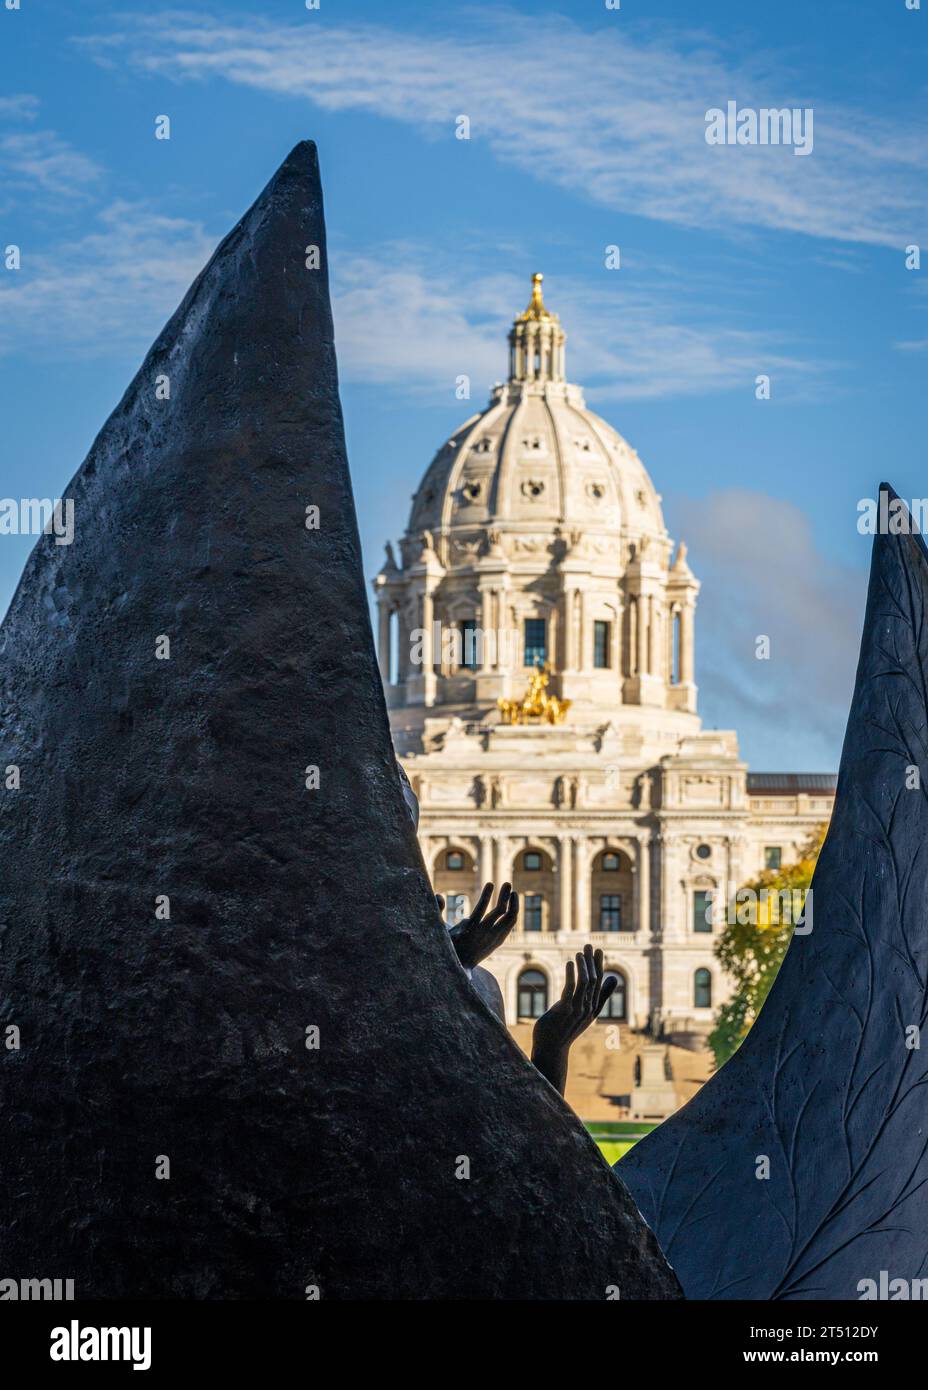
(239, 1057)
(800, 1171)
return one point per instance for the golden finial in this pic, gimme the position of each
(536, 308)
(537, 302)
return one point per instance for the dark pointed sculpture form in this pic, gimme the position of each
(238, 1057)
(800, 1170)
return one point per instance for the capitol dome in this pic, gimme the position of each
(537, 528)
(537, 456)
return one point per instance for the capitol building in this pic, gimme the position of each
(536, 635)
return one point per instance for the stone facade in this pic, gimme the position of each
(537, 536)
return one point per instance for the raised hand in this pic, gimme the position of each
(476, 936)
(585, 993)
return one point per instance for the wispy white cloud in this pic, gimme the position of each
(610, 113)
(106, 292)
(40, 160)
(764, 574)
(405, 320)
(400, 320)
(23, 106)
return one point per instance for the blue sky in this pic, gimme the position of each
(587, 130)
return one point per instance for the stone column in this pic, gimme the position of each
(686, 644)
(565, 880)
(486, 623)
(657, 639)
(583, 662)
(383, 639)
(617, 640)
(504, 645)
(581, 886)
(428, 666)
(671, 927)
(504, 859)
(730, 884)
(485, 865)
(508, 655)
(636, 887)
(402, 644)
(643, 922)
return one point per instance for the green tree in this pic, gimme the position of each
(752, 946)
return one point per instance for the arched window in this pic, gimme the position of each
(702, 989)
(611, 892)
(533, 994)
(454, 860)
(534, 881)
(676, 640)
(616, 1006)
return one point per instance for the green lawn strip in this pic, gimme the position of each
(619, 1126)
(612, 1150)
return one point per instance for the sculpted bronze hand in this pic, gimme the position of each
(583, 998)
(477, 936)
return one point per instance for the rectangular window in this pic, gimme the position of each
(469, 644)
(536, 642)
(702, 910)
(601, 645)
(533, 904)
(773, 857)
(610, 912)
